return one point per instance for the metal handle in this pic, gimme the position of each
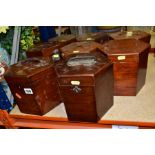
(81, 60)
(76, 89)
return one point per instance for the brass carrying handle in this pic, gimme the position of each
(81, 60)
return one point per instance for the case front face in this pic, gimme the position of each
(79, 103)
(24, 94)
(125, 76)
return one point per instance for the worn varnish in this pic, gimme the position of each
(86, 85)
(99, 37)
(80, 47)
(139, 35)
(34, 85)
(130, 63)
(46, 49)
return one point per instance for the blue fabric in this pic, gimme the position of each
(47, 32)
(4, 101)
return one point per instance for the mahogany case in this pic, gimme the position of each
(34, 85)
(129, 57)
(86, 87)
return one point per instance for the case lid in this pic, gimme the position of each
(62, 38)
(92, 36)
(29, 67)
(129, 34)
(125, 47)
(82, 64)
(80, 47)
(42, 46)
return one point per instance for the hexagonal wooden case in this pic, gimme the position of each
(130, 63)
(86, 85)
(34, 85)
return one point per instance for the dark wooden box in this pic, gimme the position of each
(34, 85)
(139, 35)
(46, 49)
(87, 89)
(99, 37)
(80, 47)
(130, 63)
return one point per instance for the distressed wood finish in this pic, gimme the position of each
(37, 74)
(46, 49)
(99, 37)
(139, 35)
(95, 95)
(80, 47)
(130, 63)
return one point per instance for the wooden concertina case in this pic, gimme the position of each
(34, 86)
(130, 63)
(86, 85)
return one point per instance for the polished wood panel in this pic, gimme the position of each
(38, 76)
(46, 49)
(93, 96)
(130, 63)
(139, 35)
